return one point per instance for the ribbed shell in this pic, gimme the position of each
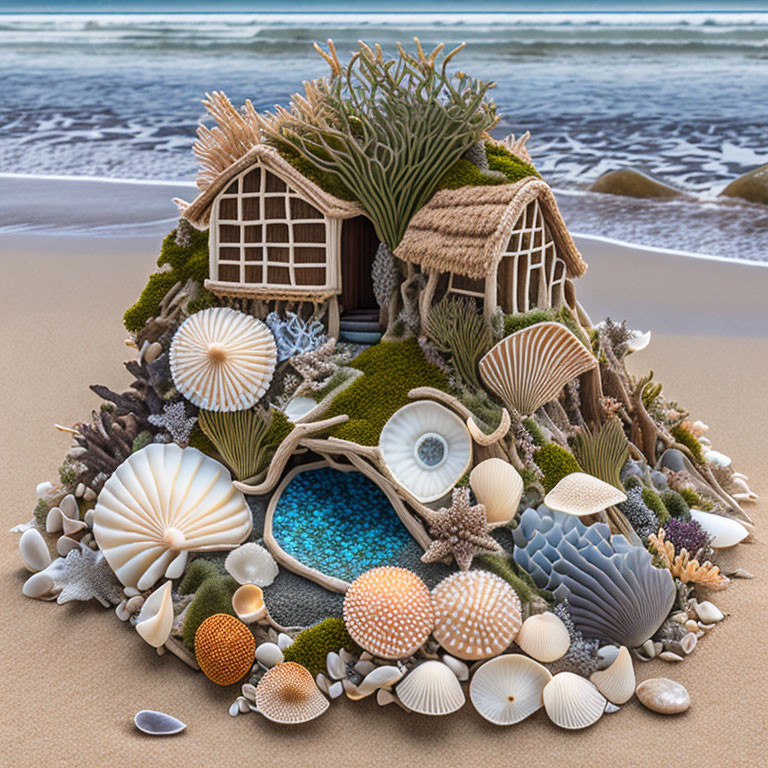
(581, 494)
(544, 637)
(497, 485)
(288, 694)
(529, 367)
(162, 502)
(507, 689)
(572, 702)
(617, 682)
(388, 611)
(477, 614)
(431, 689)
(222, 360)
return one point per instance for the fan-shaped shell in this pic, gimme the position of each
(581, 494)
(251, 564)
(222, 360)
(617, 682)
(162, 502)
(155, 620)
(426, 449)
(477, 614)
(288, 694)
(529, 367)
(431, 689)
(388, 611)
(507, 689)
(498, 486)
(725, 531)
(544, 637)
(572, 702)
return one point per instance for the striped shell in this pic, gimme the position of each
(431, 689)
(388, 612)
(477, 614)
(507, 689)
(222, 360)
(288, 694)
(161, 503)
(617, 682)
(529, 367)
(544, 637)
(581, 494)
(572, 702)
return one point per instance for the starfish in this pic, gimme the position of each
(460, 530)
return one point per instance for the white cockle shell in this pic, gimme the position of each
(431, 689)
(581, 494)
(572, 702)
(544, 637)
(617, 682)
(497, 485)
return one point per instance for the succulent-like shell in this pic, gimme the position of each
(162, 502)
(155, 620)
(477, 614)
(288, 694)
(251, 563)
(572, 702)
(388, 611)
(222, 360)
(529, 367)
(426, 449)
(725, 531)
(248, 603)
(544, 637)
(497, 485)
(431, 689)
(581, 494)
(507, 689)
(224, 648)
(617, 682)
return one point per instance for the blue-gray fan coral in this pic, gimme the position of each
(640, 517)
(615, 594)
(294, 335)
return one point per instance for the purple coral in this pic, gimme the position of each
(686, 534)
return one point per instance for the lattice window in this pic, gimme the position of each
(531, 274)
(465, 286)
(266, 234)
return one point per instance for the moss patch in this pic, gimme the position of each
(464, 173)
(676, 505)
(311, 647)
(688, 439)
(391, 369)
(555, 463)
(213, 594)
(327, 181)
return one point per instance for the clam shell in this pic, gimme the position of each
(426, 448)
(222, 360)
(529, 367)
(162, 502)
(34, 550)
(251, 564)
(617, 682)
(431, 689)
(725, 531)
(507, 689)
(572, 702)
(248, 603)
(498, 486)
(288, 694)
(155, 620)
(544, 637)
(581, 494)
(157, 723)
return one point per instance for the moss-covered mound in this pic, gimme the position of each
(465, 173)
(327, 181)
(179, 264)
(213, 594)
(555, 463)
(312, 646)
(392, 369)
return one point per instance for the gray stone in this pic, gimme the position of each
(752, 186)
(630, 182)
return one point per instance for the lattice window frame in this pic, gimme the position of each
(330, 264)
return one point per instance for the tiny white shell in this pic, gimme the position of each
(65, 544)
(39, 586)
(431, 689)
(617, 683)
(69, 508)
(248, 603)
(708, 612)
(335, 689)
(572, 702)
(498, 486)
(725, 531)
(34, 550)
(269, 655)
(544, 637)
(284, 641)
(157, 723)
(381, 677)
(53, 520)
(715, 457)
(460, 669)
(155, 620)
(336, 667)
(384, 697)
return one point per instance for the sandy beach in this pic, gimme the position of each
(73, 676)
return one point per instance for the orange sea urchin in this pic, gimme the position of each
(224, 648)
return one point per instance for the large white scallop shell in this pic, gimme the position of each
(507, 689)
(572, 702)
(498, 486)
(222, 360)
(725, 531)
(161, 503)
(529, 367)
(617, 682)
(426, 449)
(544, 637)
(155, 619)
(431, 689)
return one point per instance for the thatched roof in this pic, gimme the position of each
(466, 230)
(199, 210)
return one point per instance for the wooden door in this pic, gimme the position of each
(358, 249)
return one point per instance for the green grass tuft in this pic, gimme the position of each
(213, 595)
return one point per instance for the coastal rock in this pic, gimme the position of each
(630, 182)
(752, 186)
(663, 696)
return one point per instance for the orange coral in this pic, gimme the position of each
(224, 648)
(682, 567)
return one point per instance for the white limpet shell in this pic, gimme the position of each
(34, 550)
(222, 359)
(284, 641)
(580, 494)
(42, 488)
(157, 723)
(617, 683)
(155, 620)
(638, 341)
(725, 531)
(431, 689)
(572, 702)
(507, 689)
(39, 586)
(335, 666)
(161, 503)
(248, 603)
(251, 564)
(269, 654)
(544, 637)
(426, 448)
(498, 486)
(708, 612)
(298, 407)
